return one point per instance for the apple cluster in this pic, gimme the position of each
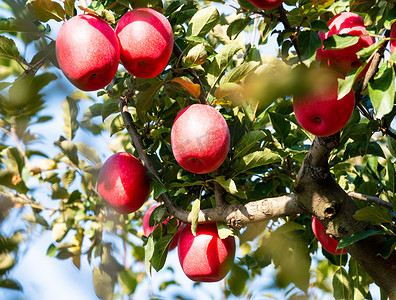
(319, 111)
(89, 50)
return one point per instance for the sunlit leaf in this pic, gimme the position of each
(192, 88)
(45, 10)
(203, 21)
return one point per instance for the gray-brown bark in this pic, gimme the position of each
(318, 192)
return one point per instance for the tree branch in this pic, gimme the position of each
(370, 199)
(318, 192)
(235, 215)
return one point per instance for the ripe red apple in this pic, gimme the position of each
(266, 4)
(328, 243)
(343, 60)
(200, 138)
(88, 52)
(147, 229)
(392, 43)
(146, 42)
(205, 257)
(123, 182)
(318, 111)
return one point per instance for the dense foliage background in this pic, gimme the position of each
(218, 59)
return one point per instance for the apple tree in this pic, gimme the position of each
(308, 171)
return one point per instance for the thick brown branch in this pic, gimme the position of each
(318, 192)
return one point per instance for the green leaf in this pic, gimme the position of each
(109, 107)
(247, 142)
(237, 26)
(10, 284)
(374, 214)
(240, 72)
(227, 89)
(360, 281)
(256, 159)
(223, 230)
(281, 125)
(345, 84)
(128, 281)
(88, 152)
(17, 25)
(194, 216)
(221, 61)
(148, 253)
(59, 231)
(69, 7)
(196, 56)
(230, 186)
(103, 284)
(144, 99)
(203, 21)
(93, 111)
(237, 279)
(45, 10)
(308, 42)
(342, 285)
(70, 123)
(35, 218)
(8, 49)
(51, 251)
(355, 237)
(339, 41)
(69, 149)
(117, 124)
(382, 90)
(366, 52)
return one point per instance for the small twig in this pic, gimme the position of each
(286, 23)
(370, 199)
(24, 200)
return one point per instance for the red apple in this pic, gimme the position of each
(123, 182)
(147, 229)
(200, 138)
(88, 52)
(328, 243)
(205, 257)
(318, 111)
(146, 41)
(343, 60)
(392, 43)
(266, 4)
